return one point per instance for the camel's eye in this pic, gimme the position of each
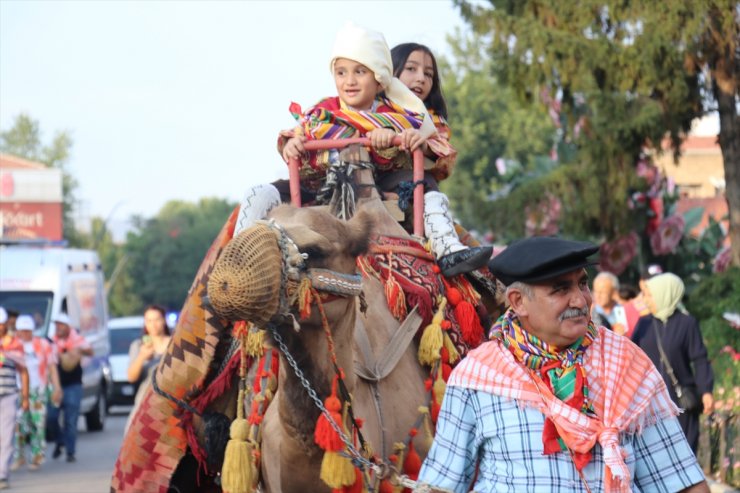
(315, 252)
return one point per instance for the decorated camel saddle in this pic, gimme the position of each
(310, 355)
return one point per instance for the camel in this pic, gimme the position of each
(290, 459)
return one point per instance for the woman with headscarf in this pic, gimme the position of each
(682, 344)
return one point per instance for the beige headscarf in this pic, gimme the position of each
(666, 291)
(370, 49)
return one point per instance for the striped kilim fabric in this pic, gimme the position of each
(626, 391)
(320, 123)
(156, 439)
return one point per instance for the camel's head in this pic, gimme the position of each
(259, 271)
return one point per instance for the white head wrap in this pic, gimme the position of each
(3, 315)
(370, 49)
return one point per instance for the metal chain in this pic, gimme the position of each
(356, 456)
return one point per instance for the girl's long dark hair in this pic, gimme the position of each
(400, 53)
(161, 310)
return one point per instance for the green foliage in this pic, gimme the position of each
(714, 296)
(23, 139)
(618, 73)
(165, 253)
(489, 123)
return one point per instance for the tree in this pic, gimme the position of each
(23, 139)
(165, 252)
(624, 73)
(489, 125)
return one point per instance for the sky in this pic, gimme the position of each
(180, 100)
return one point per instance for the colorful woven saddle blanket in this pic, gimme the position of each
(412, 279)
(160, 430)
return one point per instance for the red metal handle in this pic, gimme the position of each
(316, 145)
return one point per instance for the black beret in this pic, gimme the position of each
(540, 258)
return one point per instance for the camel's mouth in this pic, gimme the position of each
(246, 280)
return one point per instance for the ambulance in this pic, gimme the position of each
(42, 280)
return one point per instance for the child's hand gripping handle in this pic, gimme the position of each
(315, 145)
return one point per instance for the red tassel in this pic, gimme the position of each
(385, 487)
(325, 436)
(470, 327)
(412, 463)
(446, 370)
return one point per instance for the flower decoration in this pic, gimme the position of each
(615, 256)
(667, 236)
(722, 260)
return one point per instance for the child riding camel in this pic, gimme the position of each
(370, 103)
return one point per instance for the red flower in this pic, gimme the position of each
(616, 256)
(665, 239)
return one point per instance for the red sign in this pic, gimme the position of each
(31, 220)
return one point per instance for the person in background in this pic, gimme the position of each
(681, 341)
(606, 310)
(626, 297)
(145, 352)
(43, 377)
(553, 403)
(70, 347)
(12, 317)
(12, 366)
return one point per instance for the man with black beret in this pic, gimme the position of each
(552, 403)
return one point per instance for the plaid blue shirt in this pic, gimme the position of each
(507, 441)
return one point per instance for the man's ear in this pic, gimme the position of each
(516, 302)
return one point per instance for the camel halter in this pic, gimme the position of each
(261, 293)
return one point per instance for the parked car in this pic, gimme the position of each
(123, 331)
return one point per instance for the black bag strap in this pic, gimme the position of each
(663, 357)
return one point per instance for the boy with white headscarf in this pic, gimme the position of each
(370, 103)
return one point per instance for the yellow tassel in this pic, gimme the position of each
(439, 387)
(399, 449)
(337, 470)
(432, 340)
(239, 472)
(451, 349)
(427, 420)
(255, 342)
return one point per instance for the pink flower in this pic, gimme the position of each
(666, 237)
(616, 256)
(542, 219)
(722, 260)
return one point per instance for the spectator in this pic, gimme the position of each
(42, 377)
(553, 403)
(606, 310)
(145, 352)
(70, 347)
(679, 336)
(12, 363)
(627, 297)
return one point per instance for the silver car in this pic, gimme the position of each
(123, 331)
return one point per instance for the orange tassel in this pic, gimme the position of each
(385, 487)
(395, 297)
(412, 464)
(305, 298)
(325, 436)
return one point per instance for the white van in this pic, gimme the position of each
(42, 281)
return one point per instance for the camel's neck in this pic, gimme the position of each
(310, 350)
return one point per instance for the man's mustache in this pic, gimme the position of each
(573, 313)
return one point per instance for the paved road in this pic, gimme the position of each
(96, 455)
